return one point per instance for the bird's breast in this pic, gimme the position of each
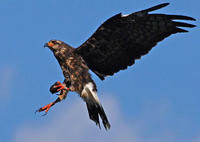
(78, 72)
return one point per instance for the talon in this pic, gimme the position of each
(44, 114)
(60, 86)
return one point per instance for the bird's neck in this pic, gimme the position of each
(60, 55)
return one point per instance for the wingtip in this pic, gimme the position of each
(189, 18)
(181, 17)
(162, 5)
(165, 4)
(159, 6)
(180, 30)
(182, 24)
(193, 19)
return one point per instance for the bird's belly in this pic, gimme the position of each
(78, 81)
(78, 73)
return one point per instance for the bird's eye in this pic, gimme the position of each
(53, 41)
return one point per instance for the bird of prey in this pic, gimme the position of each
(115, 45)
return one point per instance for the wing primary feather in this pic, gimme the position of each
(182, 24)
(180, 17)
(120, 40)
(181, 30)
(155, 7)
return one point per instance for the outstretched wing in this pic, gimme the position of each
(122, 39)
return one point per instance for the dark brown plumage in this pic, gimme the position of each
(116, 44)
(77, 79)
(126, 38)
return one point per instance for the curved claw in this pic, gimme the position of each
(45, 108)
(44, 114)
(40, 111)
(36, 111)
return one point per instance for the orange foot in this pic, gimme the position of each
(45, 108)
(59, 86)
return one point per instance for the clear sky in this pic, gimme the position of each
(155, 100)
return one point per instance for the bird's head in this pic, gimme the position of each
(54, 45)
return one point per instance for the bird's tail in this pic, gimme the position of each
(95, 109)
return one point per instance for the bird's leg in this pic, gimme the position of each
(61, 96)
(58, 86)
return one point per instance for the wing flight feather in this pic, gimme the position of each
(120, 40)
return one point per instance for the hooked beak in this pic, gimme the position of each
(46, 45)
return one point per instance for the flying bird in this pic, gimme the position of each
(115, 45)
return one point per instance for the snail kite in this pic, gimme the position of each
(115, 45)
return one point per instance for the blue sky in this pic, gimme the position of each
(157, 99)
